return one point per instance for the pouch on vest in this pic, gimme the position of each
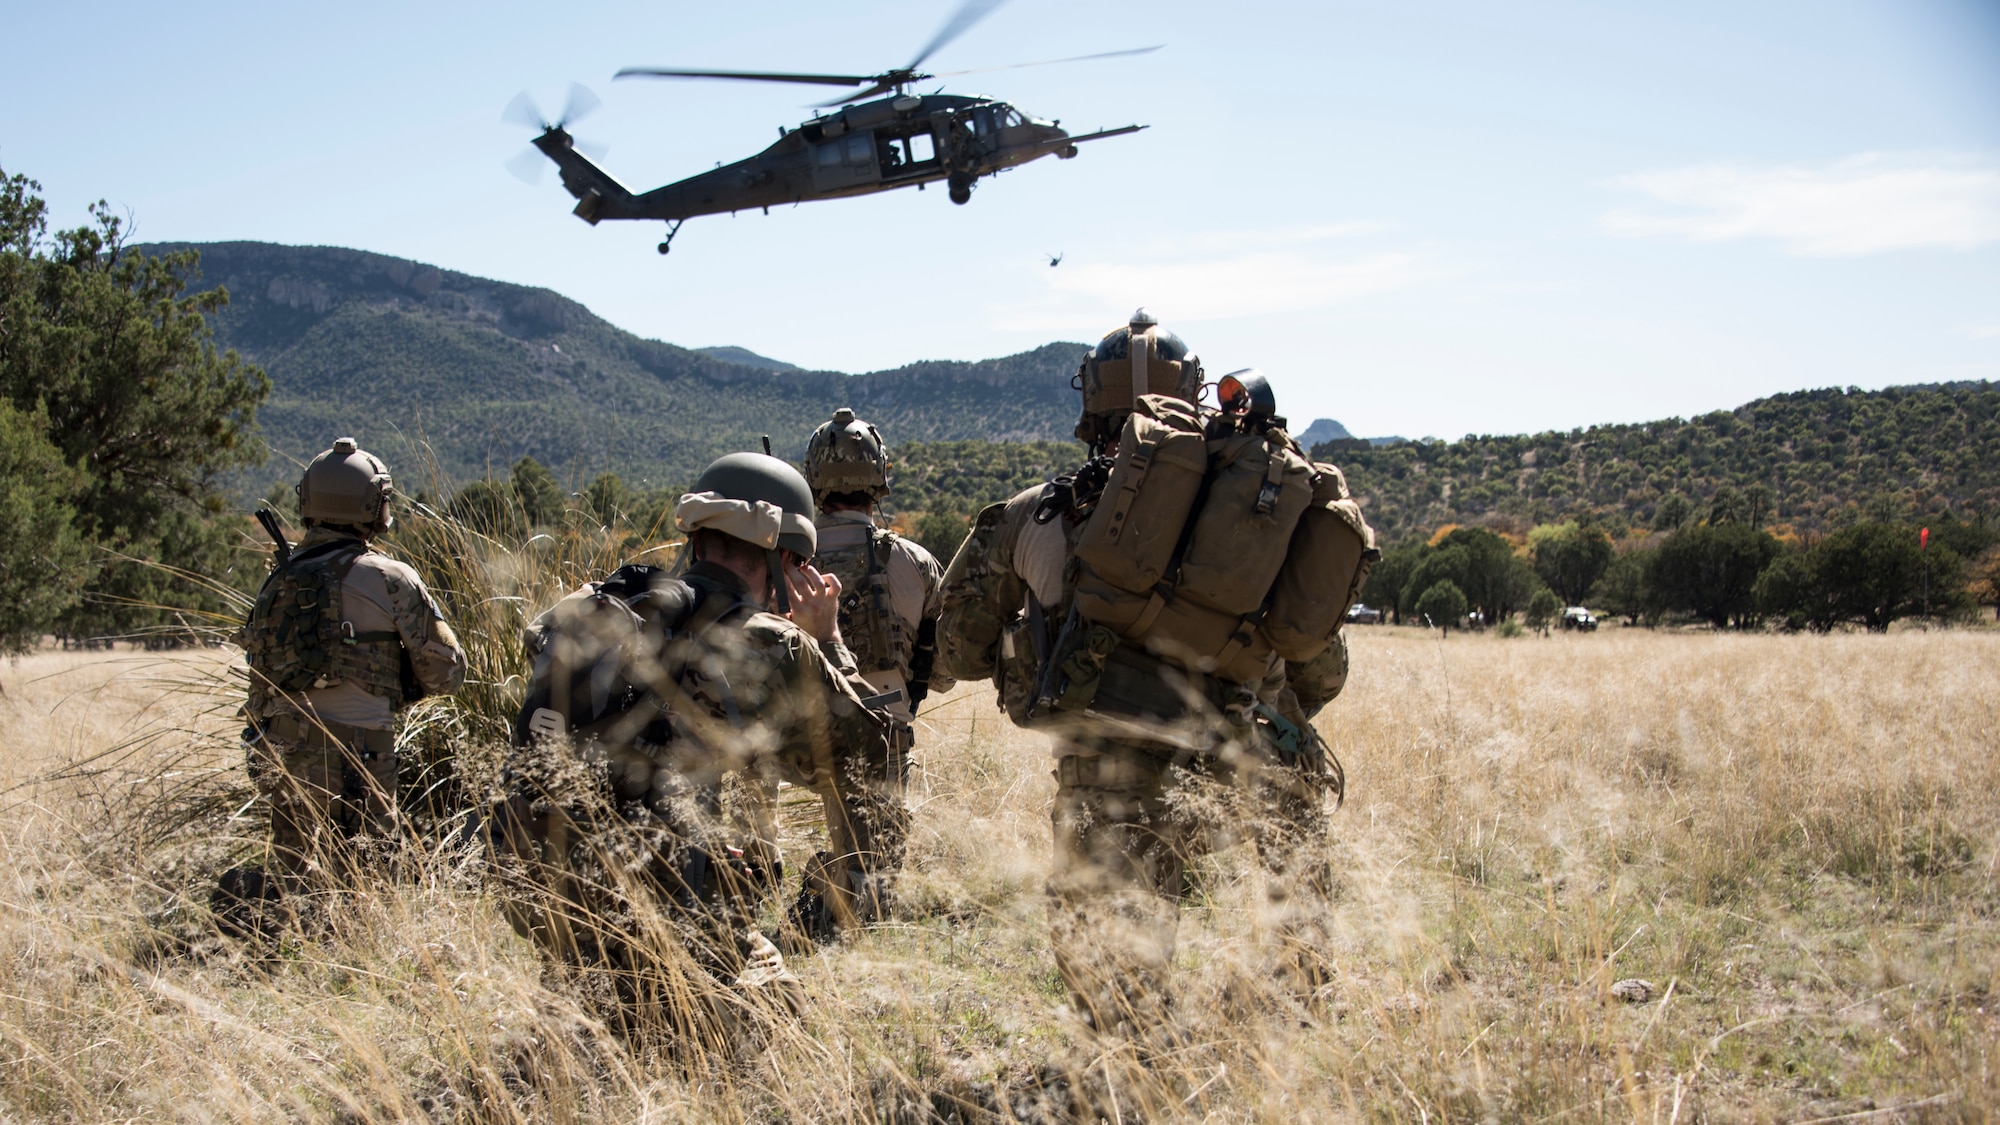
(1325, 568)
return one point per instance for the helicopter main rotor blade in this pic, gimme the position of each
(1051, 62)
(747, 75)
(961, 21)
(858, 96)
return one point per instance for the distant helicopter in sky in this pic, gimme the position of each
(1055, 259)
(895, 141)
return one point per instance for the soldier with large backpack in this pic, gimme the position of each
(652, 694)
(1169, 613)
(340, 638)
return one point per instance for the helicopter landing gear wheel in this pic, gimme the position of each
(673, 229)
(960, 189)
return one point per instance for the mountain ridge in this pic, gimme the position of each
(429, 366)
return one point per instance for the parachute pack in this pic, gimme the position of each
(1219, 546)
(296, 637)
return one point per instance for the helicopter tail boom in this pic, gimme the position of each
(598, 194)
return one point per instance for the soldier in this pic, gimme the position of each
(890, 601)
(341, 637)
(650, 691)
(1176, 764)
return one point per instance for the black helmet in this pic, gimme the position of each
(1139, 359)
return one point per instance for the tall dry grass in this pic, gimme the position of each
(1792, 838)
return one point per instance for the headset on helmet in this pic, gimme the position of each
(1139, 359)
(846, 455)
(347, 485)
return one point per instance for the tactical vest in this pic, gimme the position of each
(297, 638)
(869, 624)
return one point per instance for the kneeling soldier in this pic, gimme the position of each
(340, 638)
(649, 692)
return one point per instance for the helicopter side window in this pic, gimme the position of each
(858, 149)
(921, 148)
(828, 154)
(1011, 119)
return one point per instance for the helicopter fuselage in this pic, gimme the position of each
(892, 142)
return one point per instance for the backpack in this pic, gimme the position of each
(1217, 547)
(584, 646)
(295, 638)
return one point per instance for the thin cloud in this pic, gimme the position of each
(1867, 204)
(1220, 278)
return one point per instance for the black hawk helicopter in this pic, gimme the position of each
(895, 141)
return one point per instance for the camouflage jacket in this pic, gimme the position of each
(889, 605)
(1008, 592)
(380, 596)
(787, 699)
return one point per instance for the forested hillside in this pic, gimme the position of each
(397, 353)
(1811, 460)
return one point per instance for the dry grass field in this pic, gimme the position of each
(1793, 839)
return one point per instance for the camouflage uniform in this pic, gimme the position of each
(325, 757)
(597, 827)
(1136, 798)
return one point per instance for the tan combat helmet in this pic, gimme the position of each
(1139, 359)
(846, 455)
(347, 485)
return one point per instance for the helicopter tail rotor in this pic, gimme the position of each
(523, 111)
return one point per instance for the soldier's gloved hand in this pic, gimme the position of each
(815, 602)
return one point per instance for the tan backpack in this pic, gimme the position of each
(1219, 549)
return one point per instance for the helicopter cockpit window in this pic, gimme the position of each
(1010, 119)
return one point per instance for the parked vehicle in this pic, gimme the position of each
(1362, 614)
(1578, 618)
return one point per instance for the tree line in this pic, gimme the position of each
(1717, 563)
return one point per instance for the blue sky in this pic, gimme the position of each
(1418, 218)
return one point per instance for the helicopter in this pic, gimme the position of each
(897, 140)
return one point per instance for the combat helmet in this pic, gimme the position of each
(347, 485)
(846, 455)
(1139, 359)
(759, 499)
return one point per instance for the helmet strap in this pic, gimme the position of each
(774, 565)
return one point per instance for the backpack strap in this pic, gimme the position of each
(1163, 590)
